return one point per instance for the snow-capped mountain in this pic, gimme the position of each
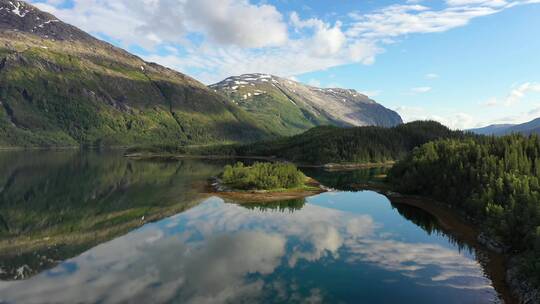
(296, 104)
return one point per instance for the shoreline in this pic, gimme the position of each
(328, 166)
(495, 263)
(143, 156)
(215, 187)
(499, 264)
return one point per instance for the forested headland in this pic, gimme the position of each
(493, 179)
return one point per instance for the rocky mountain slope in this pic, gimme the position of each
(531, 127)
(292, 107)
(60, 86)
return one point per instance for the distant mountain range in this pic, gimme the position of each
(531, 127)
(292, 107)
(59, 86)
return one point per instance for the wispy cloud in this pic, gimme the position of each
(420, 90)
(516, 95)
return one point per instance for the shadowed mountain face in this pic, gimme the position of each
(61, 86)
(292, 107)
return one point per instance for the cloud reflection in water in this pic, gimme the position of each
(216, 253)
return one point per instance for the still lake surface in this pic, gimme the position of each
(94, 227)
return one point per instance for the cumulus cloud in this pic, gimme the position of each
(153, 22)
(215, 39)
(237, 22)
(453, 119)
(327, 39)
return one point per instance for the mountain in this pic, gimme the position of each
(60, 86)
(527, 128)
(491, 129)
(291, 107)
(531, 127)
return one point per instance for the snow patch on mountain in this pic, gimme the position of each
(347, 106)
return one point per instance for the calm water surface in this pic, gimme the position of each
(75, 228)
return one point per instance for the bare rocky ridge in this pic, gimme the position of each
(339, 106)
(25, 17)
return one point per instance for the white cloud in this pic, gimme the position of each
(452, 119)
(432, 76)
(421, 89)
(152, 22)
(216, 39)
(517, 94)
(493, 3)
(491, 102)
(399, 20)
(326, 40)
(520, 105)
(236, 22)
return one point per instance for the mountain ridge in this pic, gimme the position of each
(291, 103)
(59, 86)
(526, 128)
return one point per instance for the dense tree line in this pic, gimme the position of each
(495, 180)
(263, 176)
(327, 144)
(324, 145)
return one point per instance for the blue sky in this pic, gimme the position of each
(466, 63)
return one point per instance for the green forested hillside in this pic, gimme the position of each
(495, 180)
(324, 145)
(60, 86)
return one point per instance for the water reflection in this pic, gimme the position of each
(278, 206)
(55, 205)
(218, 252)
(65, 218)
(347, 180)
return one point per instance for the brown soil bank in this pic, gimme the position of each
(451, 222)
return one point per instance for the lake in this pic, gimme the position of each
(94, 227)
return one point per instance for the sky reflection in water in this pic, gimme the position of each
(340, 247)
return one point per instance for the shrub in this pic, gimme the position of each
(263, 176)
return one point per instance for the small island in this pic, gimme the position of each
(264, 182)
